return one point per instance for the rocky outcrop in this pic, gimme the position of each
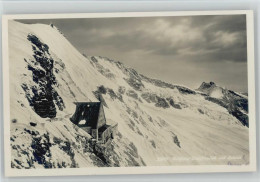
(42, 96)
(101, 90)
(153, 98)
(173, 104)
(38, 150)
(100, 68)
(236, 104)
(132, 94)
(205, 86)
(135, 83)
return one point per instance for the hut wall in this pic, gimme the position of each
(87, 129)
(101, 117)
(109, 133)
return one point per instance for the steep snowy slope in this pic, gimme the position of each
(158, 123)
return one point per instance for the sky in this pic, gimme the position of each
(185, 50)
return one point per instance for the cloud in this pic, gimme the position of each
(194, 35)
(187, 41)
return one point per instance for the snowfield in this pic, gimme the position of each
(158, 123)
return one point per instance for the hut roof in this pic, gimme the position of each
(90, 111)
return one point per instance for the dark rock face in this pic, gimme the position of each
(38, 150)
(132, 94)
(205, 85)
(134, 79)
(173, 104)
(161, 102)
(112, 94)
(239, 101)
(44, 97)
(121, 90)
(201, 111)
(68, 149)
(176, 141)
(185, 90)
(243, 118)
(93, 59)
(41, 150)
(101, 90)
(33, 124)
(149, 97)
(135, 83)
(100, 68)
(153, 98)
(235, 106)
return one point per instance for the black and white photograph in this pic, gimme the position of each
(101, 93)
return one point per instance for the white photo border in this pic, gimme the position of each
(131, 170)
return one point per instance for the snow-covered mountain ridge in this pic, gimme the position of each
(235, 103)
(158, 123)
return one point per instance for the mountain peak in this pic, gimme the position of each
(205, 85)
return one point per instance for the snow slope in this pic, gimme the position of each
(158, 123)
